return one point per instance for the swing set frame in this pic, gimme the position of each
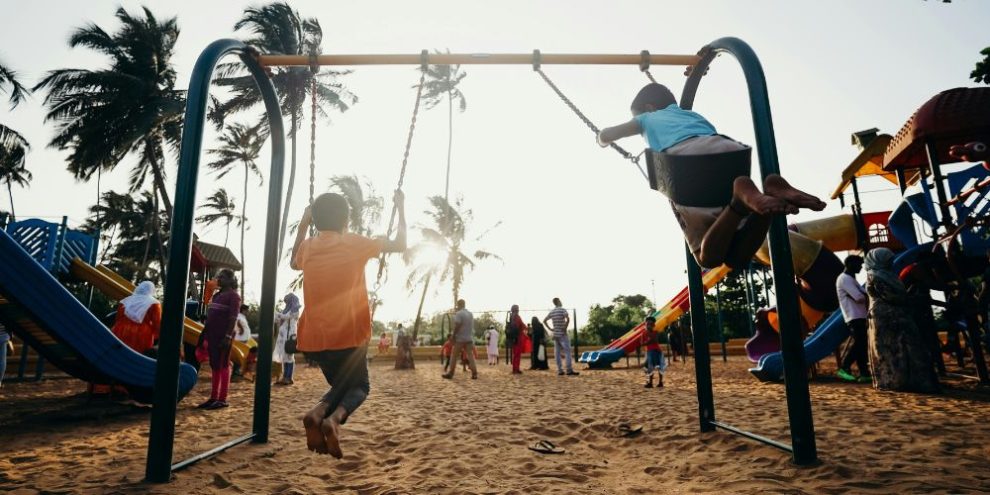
(159, 466)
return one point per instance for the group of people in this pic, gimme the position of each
(519, 337)
(137, 324)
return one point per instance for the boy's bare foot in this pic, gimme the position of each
(755, 201)
(315, 440)
(331, 434)
(776, 186)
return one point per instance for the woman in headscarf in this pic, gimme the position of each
(139, 318)
(137, 324)
(287, 321)
(899, 356)
(218, 333)
(538, 358)
(515, 336)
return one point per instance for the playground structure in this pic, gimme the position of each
(86, 358)
(47, 317)
(160, 445)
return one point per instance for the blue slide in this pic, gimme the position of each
(38, 309)
(829, 334)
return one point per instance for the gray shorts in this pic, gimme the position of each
(695, 220)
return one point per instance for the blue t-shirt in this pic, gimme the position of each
(669, 126)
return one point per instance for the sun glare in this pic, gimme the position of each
(432, 255)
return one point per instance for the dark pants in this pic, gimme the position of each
(346, 370)
(855, 351)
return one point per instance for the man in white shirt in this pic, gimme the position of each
(561, 319)
(853, 302)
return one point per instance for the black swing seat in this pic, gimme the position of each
(697, 180)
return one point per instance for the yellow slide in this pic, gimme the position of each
(116, 287)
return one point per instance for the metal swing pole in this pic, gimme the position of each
(804, 449)
(162, 433)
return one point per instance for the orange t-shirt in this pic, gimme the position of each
(210, 289)
(337, 315)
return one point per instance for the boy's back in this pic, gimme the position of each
(337, 315)
(668, 126)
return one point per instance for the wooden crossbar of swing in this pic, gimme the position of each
(479, 59)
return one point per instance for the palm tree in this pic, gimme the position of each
(12, 170)
(446, 237)
(13, 146)
(131, 106)
(9, 84)
(441, 84)
(126, 226)
(220, 207)
(277, 28)
(239, 144)
(366, 210)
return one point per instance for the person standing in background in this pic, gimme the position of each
(463, 340)
(491, 337)
(561, 343)
(853, 302)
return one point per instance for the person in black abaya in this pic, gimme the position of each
(538, 335)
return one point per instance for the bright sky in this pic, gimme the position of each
(579, 222)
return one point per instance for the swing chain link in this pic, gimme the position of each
(625, 154)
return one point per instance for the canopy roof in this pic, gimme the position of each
(955, 116)
(870, 162)
(218, 256)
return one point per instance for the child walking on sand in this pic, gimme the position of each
(335, 326)
(728, 234)
(655, 362)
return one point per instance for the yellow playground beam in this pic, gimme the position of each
(646, 59)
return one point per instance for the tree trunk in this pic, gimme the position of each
(109, 246)
(243, 221)
(450, 141)
(163, 193)
(226, 234)
(161, 245)
(288, 190)
(10, 192)
(156, 172)
(419, 311)
(143, 272)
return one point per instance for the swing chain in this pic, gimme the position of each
(402, 171)
(625, 154)
(644, 65)
(314, 68)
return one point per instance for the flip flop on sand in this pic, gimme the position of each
(625, 430)
(546, 447)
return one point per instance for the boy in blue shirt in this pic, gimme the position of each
(730, 234)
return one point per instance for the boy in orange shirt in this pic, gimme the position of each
(335, 326)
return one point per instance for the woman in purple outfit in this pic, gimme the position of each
(218, 332)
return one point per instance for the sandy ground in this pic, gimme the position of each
(418, 433)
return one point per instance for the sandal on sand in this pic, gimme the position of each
(546, 447)
(625, 430)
